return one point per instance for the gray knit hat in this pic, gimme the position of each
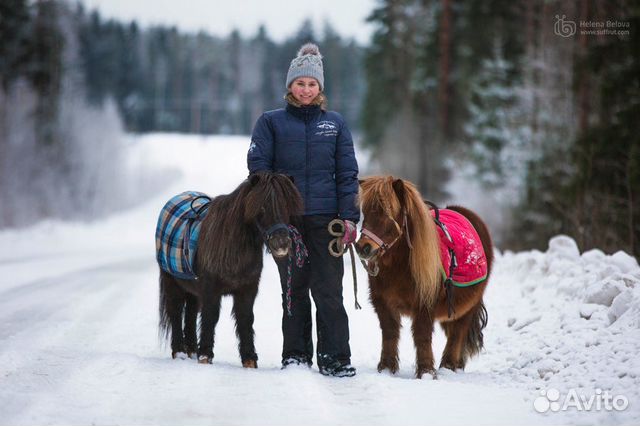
(308, 63)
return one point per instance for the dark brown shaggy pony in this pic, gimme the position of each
(408, 279)
(229, 262)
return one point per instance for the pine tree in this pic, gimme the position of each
(607, 154)
(14, 39)
(386, 64)
(268, 94)
(130, 83)
(492, 124)
(46, 69)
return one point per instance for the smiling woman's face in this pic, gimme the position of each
(305, 89)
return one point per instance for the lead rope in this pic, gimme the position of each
(338, 251)
(355, 279)
(301, 253)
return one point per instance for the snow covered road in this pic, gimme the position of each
(79, 345)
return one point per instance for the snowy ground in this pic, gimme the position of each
(78, 332)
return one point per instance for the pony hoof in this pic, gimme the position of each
(178, 355)
(204, 359)
(192, 355)
(393, 369)
(455, 368)
(448, 366)
(250, 363)
(427, 374)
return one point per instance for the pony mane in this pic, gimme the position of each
(272, 189)
(424, 258)
(230, 231)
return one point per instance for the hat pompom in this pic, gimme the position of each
(309, 49)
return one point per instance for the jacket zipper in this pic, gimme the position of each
(306, 169)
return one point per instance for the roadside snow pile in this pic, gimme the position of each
(562, 320)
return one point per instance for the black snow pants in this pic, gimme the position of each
(322, 275)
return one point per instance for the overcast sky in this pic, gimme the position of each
(281, 18)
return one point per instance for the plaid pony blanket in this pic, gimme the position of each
(177, 233)
(467, 247)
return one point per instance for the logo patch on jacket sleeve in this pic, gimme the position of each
(327, 128)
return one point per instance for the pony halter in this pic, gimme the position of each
(384, 247)
(268, 234)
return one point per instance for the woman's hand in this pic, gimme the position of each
(350, 232)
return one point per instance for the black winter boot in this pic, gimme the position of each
(335, 368)
(296, 360)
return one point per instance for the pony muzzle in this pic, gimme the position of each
(277, 240)
(368, 253)
(279, 244)
(367, 250)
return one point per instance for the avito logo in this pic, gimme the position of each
(601, 400)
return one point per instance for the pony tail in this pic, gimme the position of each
(474, 342)
(425, 255)
(164, 323)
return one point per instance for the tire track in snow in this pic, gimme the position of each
(24, 304)
(44, 338)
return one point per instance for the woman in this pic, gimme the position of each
(314, 147)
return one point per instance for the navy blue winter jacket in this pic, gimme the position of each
(316, 149)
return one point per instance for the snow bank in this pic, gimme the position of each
(565, 320)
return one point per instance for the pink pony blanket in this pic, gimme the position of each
(467, 248)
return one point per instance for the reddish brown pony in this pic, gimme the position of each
(400, 249)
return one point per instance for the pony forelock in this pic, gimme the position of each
(377, 192)
(269, 190)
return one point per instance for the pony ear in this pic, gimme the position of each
(398, 188)
(254, 179)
